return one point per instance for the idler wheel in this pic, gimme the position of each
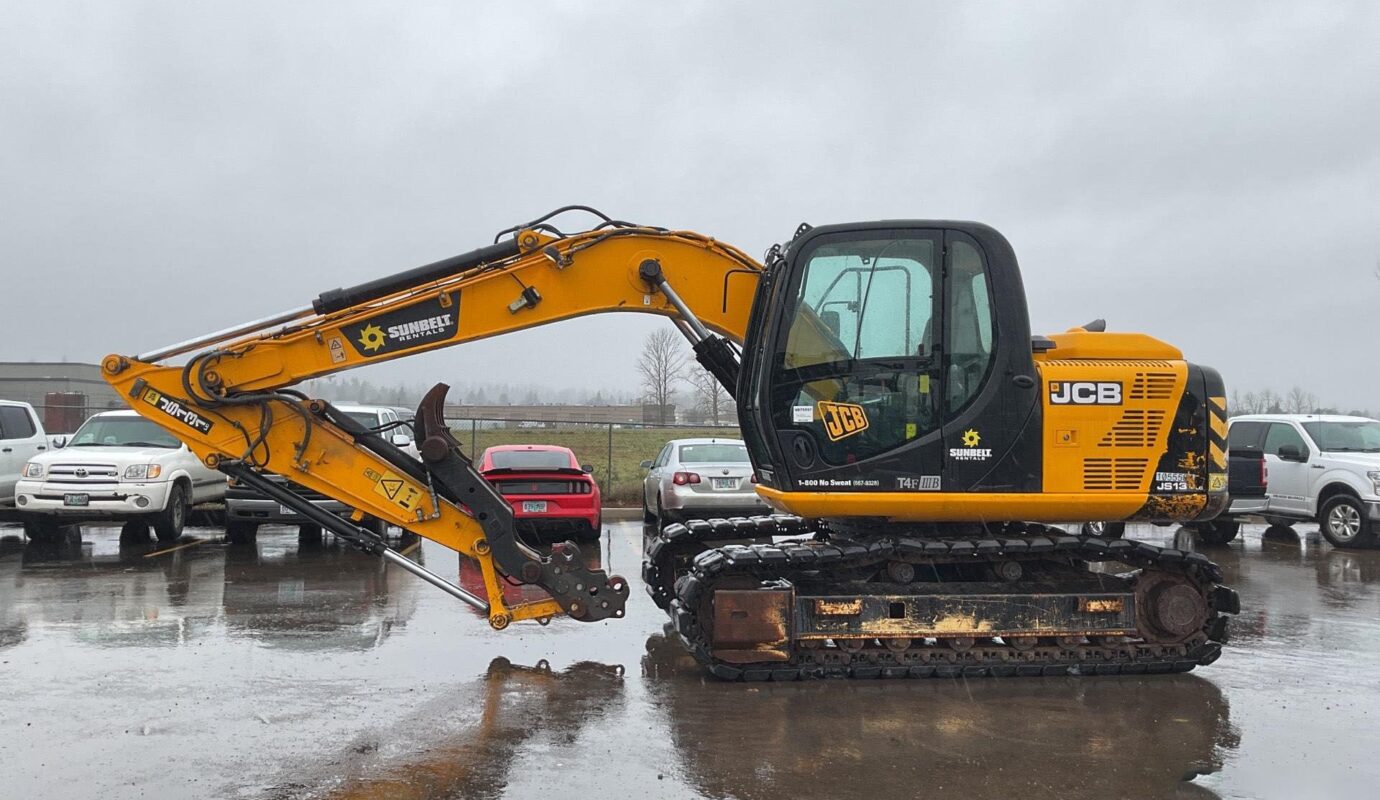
(1170, 607)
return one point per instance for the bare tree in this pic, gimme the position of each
(1299, 401)
(709, 395)
(661, 364)
(1271, 403)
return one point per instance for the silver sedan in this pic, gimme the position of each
(700, 479)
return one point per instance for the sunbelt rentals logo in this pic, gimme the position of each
(413, 326)
(970, 451)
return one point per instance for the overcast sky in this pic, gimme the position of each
(1206, 173)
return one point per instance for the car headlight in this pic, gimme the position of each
(33, 469)
(142, 472)
(1374, 480)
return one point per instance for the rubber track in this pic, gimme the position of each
(1018, 540)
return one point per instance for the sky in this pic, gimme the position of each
(1205, 173)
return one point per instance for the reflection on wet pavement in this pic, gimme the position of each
(308, 670)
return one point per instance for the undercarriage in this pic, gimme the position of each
(1004, 600)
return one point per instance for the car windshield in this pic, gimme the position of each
(713, 454)
(1345, 437)
(529, 459)
(369, 419)
(122, 432)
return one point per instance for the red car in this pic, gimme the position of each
(553, 497)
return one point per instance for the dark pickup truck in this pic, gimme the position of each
(1246, 483)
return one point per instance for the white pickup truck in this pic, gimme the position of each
(1321, 467)
(117, 467)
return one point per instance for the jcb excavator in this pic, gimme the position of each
(913, 435)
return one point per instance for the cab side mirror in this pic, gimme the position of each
(59, 442)
(1289, 452)
(401, 440)
(646, 465)
(588, 468)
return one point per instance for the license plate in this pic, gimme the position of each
(76, 499)
(286, 512)
(725, 483)
(534, 506)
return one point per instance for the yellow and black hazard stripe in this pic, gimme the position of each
(1217, 444)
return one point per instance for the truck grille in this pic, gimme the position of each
(78, 473)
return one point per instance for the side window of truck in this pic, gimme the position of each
(15, 423)
(1245, 435)
(1281, 434)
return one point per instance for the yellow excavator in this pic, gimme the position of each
(915, 439)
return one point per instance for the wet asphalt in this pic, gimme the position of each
(291, 669)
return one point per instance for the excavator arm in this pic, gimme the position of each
(229, 398)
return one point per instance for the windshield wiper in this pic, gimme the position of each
(145, 444)
(91, 444)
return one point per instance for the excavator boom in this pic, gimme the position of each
(230, 403)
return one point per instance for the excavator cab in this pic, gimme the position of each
(894, 357)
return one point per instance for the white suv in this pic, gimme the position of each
(1322, 467)
(119, 467)
(21, 438)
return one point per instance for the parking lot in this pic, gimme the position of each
(279, 670)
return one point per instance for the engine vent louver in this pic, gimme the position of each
(1136, 428)
(1113, 474)
(1153, 386)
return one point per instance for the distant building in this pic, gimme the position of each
(64, 393)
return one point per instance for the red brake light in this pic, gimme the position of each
(682, 478)
(753, 478)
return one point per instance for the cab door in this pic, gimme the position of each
(1286, 457)
(883, 339)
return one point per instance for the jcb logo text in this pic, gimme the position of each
(842, 419)
(1084, 393)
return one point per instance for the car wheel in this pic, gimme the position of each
(1107, 530)
(1343, 522)
(310, 535)
(1218, 532)
(647, 516)
(662, 515)
(42, 530)
(241, 532)
(136, 531)
(168, 524)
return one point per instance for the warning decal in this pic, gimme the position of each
(397, 490)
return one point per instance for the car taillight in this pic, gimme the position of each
(683, 478)
(753, 478)
(1264, 473)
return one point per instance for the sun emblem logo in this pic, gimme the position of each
(371, 338)
(971, 438)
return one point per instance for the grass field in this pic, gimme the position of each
(620, 479)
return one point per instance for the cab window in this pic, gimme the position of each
(1281, 434)
(969, 314)
(855, 369)
(1245, 435)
